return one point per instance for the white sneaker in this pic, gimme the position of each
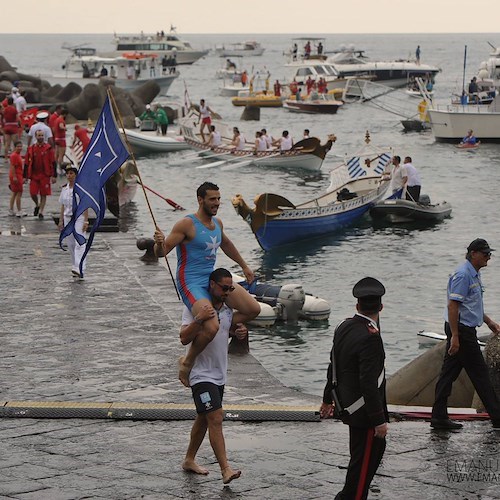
(11, 212)
(21, 214)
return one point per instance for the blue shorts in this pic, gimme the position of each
(207, 396)
(191, 293)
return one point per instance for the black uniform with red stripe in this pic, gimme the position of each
(359, 362)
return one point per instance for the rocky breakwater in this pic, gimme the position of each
(82, 103)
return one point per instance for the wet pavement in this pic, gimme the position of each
(114, 338)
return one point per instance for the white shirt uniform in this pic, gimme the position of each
(269, 141)
(20, 104)
(47, 133)
(211, 364)
(397, 178)
(413, 175)
(240, 143)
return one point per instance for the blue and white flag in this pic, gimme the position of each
(105, 155)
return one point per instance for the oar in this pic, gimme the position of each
(222, 162)
(248, 162)
(168, 200)
(199, 157)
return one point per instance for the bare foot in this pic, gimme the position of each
(184, 371)
(229, 474)
(192, 466)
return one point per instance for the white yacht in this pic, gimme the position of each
(160, 44)
(302, 69)
(391, 73)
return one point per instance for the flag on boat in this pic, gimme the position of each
(356, 170)
(105, 155)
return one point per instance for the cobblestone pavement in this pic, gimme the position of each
(114, 337)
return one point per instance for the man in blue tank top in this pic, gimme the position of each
(197, 238)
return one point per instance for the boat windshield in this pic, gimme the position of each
(304, 72)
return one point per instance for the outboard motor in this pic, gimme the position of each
(289, 298)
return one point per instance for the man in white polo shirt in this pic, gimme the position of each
(208, 375)
(413, 185)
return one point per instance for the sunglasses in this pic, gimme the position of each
(225, 288)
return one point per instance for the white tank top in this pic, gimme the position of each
(261, 144)
(204, 111)
(286, 143)
(216, 140)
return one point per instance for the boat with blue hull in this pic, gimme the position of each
(275, 221)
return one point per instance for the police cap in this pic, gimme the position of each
(368, 287)
(479, 245)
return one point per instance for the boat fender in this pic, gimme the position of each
(266, 318)
(315, 309)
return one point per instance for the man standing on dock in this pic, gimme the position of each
(465, 312)
(356, 383)
(209, 373)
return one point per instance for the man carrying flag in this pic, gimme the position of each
(106, 153)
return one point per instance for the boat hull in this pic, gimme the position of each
(151, 142)
(308, 222)
(324, 107)
(397, 210)
(453, 124)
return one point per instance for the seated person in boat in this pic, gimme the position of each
(469, 139)
(285, 142)
(215, 139)
(268, 138)
(260, 142)
(238, 141)
(306, 134)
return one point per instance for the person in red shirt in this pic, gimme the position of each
(41, 171)
(16, 179)
(53, 118)
(11, 125)
(60, 138)
(81, 135)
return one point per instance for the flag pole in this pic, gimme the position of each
(117, 113)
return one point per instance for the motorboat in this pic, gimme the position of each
(307, 154)
(287, 302)
(248, 48)
(392, 73)
(306, 49)
(401, 210)
(451, 122)
(150, 141)
(257, 99)
(275, 221)
(298, 72)
(314, 103)
(162, 44)
(128, 72)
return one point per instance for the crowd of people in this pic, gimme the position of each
(36, 155)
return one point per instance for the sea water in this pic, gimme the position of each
(413, 263)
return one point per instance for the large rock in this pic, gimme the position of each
(5, 65)
(90, 98)
(147, 91)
